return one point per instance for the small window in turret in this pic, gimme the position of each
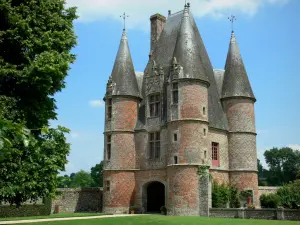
(175, 159)
(108, 147)
(204, 111)
(175, 93)
(107, 185)
(175, 137)
(204, 132)
(109, 108)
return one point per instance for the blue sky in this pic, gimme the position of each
(268, 35)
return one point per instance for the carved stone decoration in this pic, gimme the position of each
(110, 86)
(176, 69)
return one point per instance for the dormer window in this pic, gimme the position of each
(154, 105)
(175, 93)
(109, 108)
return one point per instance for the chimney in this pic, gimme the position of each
(157, 25)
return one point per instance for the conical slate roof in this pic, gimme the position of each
(187, 51)
(236, 82)
(123, 74)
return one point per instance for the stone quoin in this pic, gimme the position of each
(167, 127)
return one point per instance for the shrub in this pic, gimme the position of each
(163, 209)
(223, 194)
(269, 200)
(289, 195)
(220, 195)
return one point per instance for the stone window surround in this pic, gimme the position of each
(175, 93)
(154, 105)
(109, 109)
(154, 145)
(108, 146)
(215, 154)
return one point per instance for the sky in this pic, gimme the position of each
(268, 34)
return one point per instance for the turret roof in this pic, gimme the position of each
(123, 74)
(236, 82)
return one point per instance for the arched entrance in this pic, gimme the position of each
(155, 196)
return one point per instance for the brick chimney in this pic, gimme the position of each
(157, 25)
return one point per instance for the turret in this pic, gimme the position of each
(238, 103)
(121, 100)
(187, 120)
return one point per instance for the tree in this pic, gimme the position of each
(63, 181)
(262, 174)
(28, 166)
(289, 195)
(284, 164)
(36, 37)
(97, 175)
(82, 179)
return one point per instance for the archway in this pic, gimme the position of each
(155, 196)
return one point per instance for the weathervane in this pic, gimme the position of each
(124, 18)
(232, 19)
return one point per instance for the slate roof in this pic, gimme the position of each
(123, 74)
(236, 82)
(187, 51)
(163, 55)
(219, 77)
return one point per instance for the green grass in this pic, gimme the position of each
(61, 215)
(170, 220)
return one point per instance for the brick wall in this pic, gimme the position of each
(120, 195)
(78, 200)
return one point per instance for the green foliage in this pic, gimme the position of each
(97, 175)
(289, 195)
(220, 195)
(29, 165)
(271, 200)
(81, 179)
(284, 164)
(223, 194)
(35, 42)
(63, 181)
(27, 210)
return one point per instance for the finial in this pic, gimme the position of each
(232, 19)
(188, 5)
(169, 12)
(185, 3)
(124, 18)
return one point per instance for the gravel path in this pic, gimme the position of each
(67, 218)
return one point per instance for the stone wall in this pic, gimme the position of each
(78, 200)
(266, 214)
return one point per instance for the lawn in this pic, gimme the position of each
(170, 220)
(61, 215)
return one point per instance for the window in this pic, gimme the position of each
(175, 159)
(205, 155)
(175, 93)
(107, 185)
(204, 132)
(154, 104)
(215, 154)
(109, 108)
(204, 111)
(154, 145)
(175, 137)
(108, 147)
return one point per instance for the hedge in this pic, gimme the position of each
(27, 210)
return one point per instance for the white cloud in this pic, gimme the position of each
(74, 135)
(139, 11)
(97, 103)
(294, 146)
